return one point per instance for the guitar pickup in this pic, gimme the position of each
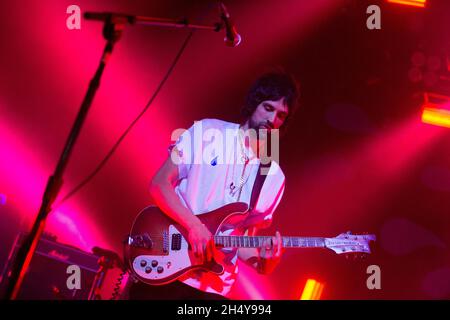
(176, 241)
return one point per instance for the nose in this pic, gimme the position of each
(271, 120)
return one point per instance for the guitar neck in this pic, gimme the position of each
(258, 241)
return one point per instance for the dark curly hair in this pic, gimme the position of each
(273, 85)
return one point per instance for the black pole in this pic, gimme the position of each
(112, 31)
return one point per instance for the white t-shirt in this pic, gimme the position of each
(209, 167)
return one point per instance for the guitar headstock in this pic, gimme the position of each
(348, 243)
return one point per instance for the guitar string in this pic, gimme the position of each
(246, 241)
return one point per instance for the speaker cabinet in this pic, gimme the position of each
(48, 274)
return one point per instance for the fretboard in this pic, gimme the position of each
(257, 241)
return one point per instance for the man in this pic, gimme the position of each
(200, 176)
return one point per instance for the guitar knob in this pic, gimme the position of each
(154, 263)
(143, 263)
(148, 270)
(160, 269)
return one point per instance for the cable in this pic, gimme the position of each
(118, 284)
(116, 145)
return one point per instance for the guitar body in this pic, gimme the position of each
(158, 251)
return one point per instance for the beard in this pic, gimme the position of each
(262, 129)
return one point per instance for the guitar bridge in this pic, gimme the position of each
(165, 241)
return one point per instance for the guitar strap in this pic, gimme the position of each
(257, 186)
(253, 218)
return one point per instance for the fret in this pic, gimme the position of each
(264, 239)
(260, 241)
(305, 242)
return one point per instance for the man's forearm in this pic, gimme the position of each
(167, 200)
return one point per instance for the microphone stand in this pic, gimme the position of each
(114, 24)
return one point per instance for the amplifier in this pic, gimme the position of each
(49, 271)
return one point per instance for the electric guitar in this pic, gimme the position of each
(158, 251)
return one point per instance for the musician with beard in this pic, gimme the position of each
(197, 178)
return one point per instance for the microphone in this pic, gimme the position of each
(232, 38)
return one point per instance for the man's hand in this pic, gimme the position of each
(201, 241)
(164, 195)
(270, 253)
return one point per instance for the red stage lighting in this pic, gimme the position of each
(436, 110)
(414, 3)
(312, 290)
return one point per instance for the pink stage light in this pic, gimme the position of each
(252, 286)
(24, 177)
